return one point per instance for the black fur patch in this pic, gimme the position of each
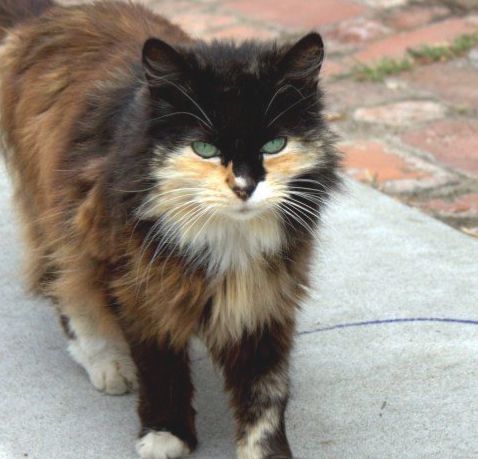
(65, 324)
(166, 391)
(236, 97)
(248, 363)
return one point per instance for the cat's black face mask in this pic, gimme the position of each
(237, 133)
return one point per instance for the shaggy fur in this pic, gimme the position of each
(142, 243)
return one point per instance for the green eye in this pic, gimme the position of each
(204, 149)
(274, 146)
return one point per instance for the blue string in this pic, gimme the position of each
(390, 321)
(380, 322)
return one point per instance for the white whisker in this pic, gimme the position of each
(181, 90)
(181, 113)
(310, 210)
(281, 89)
(289, 108)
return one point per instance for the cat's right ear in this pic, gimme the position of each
(304, 59)
(161, 61)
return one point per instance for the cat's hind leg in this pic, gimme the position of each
(95, 339)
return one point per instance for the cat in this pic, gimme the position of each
(168, 188)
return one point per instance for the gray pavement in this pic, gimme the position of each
(364, 384)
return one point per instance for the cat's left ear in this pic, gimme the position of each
(304, 59)
(161, 60)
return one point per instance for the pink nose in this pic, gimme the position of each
(244, 192)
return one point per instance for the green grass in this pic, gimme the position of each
(381, 69)
(457, 48)
(426, 53)
(423, 55)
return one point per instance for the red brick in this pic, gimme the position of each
(415, 16)
(345, 95)
(452, 142)
(242, 32)
(298, 13)
(401, 114)
(171, 8)
(397, 45)
(385, 3)
(333, 68)
(452, 81)
(198, 24)
(358, 30)
(466, 204)
(371, 161)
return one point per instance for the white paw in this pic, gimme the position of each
(110, 369)
(114, 376)
(161, 445)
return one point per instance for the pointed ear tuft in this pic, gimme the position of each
(161, 59)
(304, 59)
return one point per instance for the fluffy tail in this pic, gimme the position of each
(13, 12)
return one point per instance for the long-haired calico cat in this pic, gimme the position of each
(168, 188)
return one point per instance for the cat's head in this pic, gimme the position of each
(237, 130)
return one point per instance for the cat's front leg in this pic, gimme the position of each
(256, 374)
(165, 404)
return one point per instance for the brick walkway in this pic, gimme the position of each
(411, 134)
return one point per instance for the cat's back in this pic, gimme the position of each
(66, 49)
(89, 29)
(52, 63)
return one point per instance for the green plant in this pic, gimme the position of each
(381, 69)
(422, 55)
(456, 48)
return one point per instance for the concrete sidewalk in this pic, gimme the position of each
(365, 385)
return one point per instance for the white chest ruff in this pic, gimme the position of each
(245, 301)
(249, 292)
(233, 245)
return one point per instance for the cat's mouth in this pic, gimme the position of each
(244, 211)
